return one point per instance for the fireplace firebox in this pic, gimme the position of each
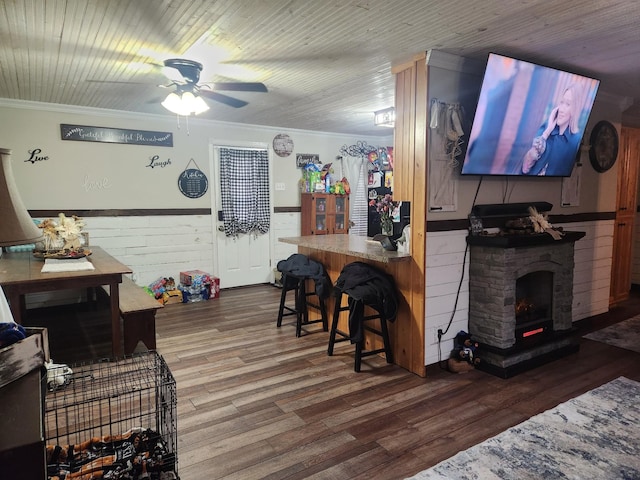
(533, 308)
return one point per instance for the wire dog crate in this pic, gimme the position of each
(114, 419)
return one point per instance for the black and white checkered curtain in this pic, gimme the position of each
(244, 183)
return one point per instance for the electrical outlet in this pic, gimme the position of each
(279, 186)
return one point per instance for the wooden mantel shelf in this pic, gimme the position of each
(512, 241)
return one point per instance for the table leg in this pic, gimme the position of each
(116, 333)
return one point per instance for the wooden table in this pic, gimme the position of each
(20, 273)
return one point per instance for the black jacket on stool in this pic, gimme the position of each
(302, 266)
(367, 285)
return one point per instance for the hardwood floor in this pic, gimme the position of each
(255, 402)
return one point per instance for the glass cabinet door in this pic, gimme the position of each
(321, 215)
(321, 205)
(340, 215)
(321, 223)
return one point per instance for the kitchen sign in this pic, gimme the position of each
(193, 182)
(85, 133)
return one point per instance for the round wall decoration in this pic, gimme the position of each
(282, 145)
(193, 182)
(604, 146)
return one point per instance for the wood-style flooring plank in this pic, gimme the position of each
(255, 402)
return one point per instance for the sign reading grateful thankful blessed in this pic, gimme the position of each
(84, 133)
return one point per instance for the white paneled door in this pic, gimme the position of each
(242, 260)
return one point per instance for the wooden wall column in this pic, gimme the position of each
(410, 184)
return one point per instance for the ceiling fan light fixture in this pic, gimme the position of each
(185, 104)
(173, 103)
(188, 99)
(199, 106)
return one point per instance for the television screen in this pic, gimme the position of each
(530, 120)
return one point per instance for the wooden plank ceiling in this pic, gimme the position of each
(327, 64)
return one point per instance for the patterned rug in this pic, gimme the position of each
(625, 334)
(593, 436)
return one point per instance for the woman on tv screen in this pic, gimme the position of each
(554, 148)
(529, 120)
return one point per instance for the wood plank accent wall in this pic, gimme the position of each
(410, 184)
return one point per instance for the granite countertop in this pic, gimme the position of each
(346, 244)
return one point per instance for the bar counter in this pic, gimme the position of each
(345, 244)
(336, 251)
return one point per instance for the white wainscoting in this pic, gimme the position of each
(163, 246)
(285, 225)
(592, 270)
(445, 254)
(151, 246)
(445, 258)
(155, 246)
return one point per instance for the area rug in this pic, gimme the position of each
(593, 436)
(625, 334)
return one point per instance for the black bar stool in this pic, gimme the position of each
(364, 286)
(296, 271)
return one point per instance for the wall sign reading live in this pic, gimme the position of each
(85, 133)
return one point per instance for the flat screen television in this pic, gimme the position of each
(530, 120)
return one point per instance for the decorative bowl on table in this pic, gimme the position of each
(62, 254)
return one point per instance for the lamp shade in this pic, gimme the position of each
(16, 226)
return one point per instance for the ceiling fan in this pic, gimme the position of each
(185, 74)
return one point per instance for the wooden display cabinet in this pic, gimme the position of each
(324, 214)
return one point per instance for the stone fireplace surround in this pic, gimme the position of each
(496, 262)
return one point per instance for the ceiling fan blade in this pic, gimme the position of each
(240, 86)
(219, 97)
